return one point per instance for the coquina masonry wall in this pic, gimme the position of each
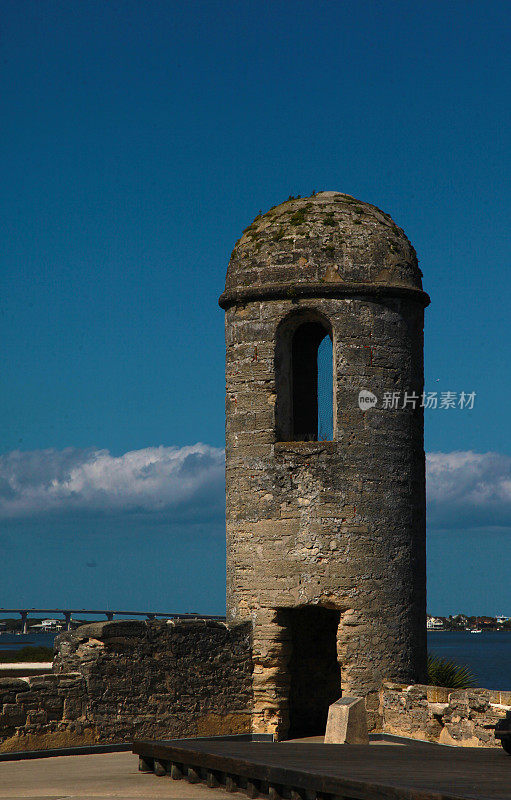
(339, 524)
(462, 717)
(114, 681)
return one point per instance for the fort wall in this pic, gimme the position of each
(460, 717)
(113, 681)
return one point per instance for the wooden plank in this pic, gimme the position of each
(360, 772)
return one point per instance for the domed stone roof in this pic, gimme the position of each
(329, 244)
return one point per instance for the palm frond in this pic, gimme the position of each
(449, 674)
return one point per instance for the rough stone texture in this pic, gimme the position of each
(330, 237)
(116, 680)
(338, 524)
(347, 722)
(462, 717)
(43, 711)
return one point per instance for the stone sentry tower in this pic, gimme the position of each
(325, 539)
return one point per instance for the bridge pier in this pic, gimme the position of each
(24, 621)
(110, 615)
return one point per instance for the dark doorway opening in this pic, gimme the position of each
(315, 673)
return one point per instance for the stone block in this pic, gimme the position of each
(107, 630)
(437, 694)
(37, 717)
(13, 685)
(44, 682)
(347, 722)
(70, 681)
(12, 715)
(437, 709)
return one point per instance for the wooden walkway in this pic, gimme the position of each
(306, 771)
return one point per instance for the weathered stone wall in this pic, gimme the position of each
(339, 524)
(117, 681)
(114, 681)
(462, 717)
(43, 711)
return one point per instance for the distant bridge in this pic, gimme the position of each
(68, 612)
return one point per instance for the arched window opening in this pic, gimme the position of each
(325, 391)
(304, 377)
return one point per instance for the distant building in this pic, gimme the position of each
(434, 622)
(47, 626)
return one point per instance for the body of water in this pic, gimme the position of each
(487, 654)
(11, 641)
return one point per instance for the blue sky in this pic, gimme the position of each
(139, 139)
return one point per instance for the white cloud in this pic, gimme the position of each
(180, 482)
(468, 490)
(464, 489)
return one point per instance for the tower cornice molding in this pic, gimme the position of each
(319, 290)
